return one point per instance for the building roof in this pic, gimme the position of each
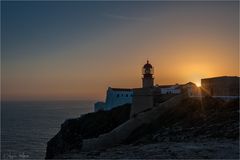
(221, 77)
(168, 85)
(122, 89)
(190, 83)
(175, 85)
(165, 86)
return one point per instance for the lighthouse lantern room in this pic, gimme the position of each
(147, 71)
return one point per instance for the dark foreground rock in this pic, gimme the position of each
(194, 128)
(194, 118)
(202, 149)
(91, 125)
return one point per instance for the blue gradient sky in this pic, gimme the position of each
(75, 50)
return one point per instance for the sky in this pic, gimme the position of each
(76, 50)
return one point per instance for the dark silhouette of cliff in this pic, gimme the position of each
(190, 120)
(193, 119)
(87, 126)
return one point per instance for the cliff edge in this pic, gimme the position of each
(90, 125)
(165, 131)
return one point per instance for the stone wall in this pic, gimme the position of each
(121, 133)
(114, 98)
(221, 86)
(142, 100)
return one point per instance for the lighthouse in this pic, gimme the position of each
(147, 71)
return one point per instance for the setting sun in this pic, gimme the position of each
(198, 84)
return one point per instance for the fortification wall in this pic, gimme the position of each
(117, 98)
(221, 86)
(142, 100)
(119, 134)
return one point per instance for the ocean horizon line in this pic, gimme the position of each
(54, 100)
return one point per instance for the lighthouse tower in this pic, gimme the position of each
(147, 80)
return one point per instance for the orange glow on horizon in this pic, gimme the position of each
(184, 43)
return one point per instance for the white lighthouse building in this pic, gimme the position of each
(145, 97)
(115, 97)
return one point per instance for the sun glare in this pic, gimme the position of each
(198, 84)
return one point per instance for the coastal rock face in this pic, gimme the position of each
(122, 132)
(192, 120)
(181, 127)
(91, 125)
(204, 149)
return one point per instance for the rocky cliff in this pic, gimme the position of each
(91, 125)
(178, 122)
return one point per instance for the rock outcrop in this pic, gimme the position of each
(192, 120)
(177, 121)
(204, 149)
(122, 132)
(91, 125)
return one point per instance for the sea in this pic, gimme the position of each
(26, 127)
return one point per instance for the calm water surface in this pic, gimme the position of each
(27, 126)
